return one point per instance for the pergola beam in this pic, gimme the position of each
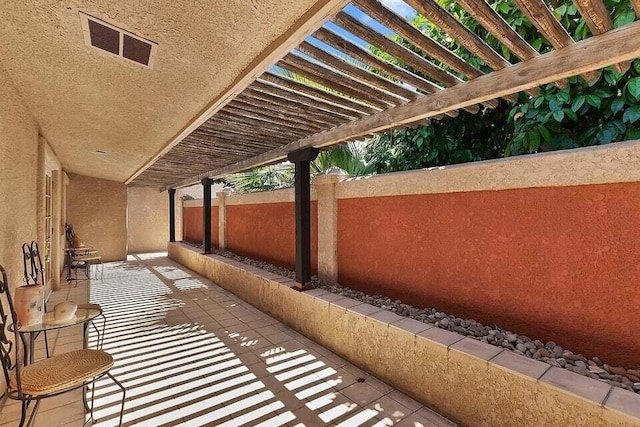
(597, 52)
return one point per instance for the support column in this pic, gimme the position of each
(301, 159)
(206, 214)
(222, 219)
(172, 214)
(325, 187)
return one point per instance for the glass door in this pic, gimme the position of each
(48, 228)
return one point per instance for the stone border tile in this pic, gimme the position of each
(385, 316)
(476, 348)
(346, 302)
(623, 401)
(364, 309)
(411, 326)
(584, 387)
(441, 336)
(524, 366)
(329, 297)
(316, 292)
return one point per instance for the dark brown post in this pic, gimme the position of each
(301, 159)
(206, 214)
(172, 214)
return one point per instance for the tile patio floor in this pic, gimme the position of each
(191, 353)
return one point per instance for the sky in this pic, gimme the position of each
(398, 6)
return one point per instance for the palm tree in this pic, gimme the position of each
(350, 157)
(263, 178)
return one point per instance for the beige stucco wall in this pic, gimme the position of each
(97, 208)
(147, 220)
(18, 176)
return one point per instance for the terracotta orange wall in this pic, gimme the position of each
(192, 223)
(557, 264)
(267, 232)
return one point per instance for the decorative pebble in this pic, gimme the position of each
(617, 370)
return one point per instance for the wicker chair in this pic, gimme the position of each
(49, 377)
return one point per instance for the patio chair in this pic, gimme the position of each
(49, 377)
(81, 257)
(34, 272)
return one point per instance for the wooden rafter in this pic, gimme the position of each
(356, 88)
(240, 106)
(313, 92)
(246, 114)
(333, 80)
(361, 74)
(304, 110)
(598, 20)
(401, 53)
(413, 35)
(471, 41)
(392, 70)
(364, 56)
(285, 113)
(498, 27)
(615, 46)
(248, 127)
(234, 114)
(298, 98)
(542, 18)
(431, 47)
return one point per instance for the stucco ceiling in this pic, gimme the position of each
(85, 100)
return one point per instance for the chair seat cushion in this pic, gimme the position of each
(62, 372)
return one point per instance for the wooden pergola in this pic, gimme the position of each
(274, 115)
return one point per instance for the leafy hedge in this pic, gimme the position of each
(579, 114)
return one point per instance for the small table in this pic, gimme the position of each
(83, 316)
(28, 334)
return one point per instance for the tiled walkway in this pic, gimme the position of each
(191, 353)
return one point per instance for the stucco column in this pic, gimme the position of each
(179, 223)
(222, 219)
(325, 188)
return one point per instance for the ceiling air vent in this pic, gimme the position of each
(118, 42)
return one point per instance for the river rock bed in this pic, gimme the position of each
(548, 352)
